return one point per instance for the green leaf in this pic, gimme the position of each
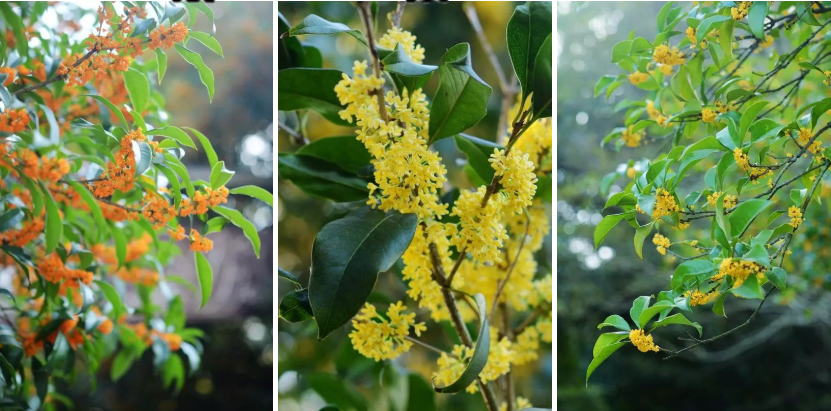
(236, 218)
(314, 24)
(295, 307)
(112, 296)
(614, 321)
(138, 87)
(640, 235)
(748, 117)
(220, 175)
(321, 179)
(661, 19)
(144, 158)
(312, 58)
(120, 243)
(121, 364)
(288, 276)
(602, 356)
(347, 152)
(707, 25)
(421, 396)
(11, 218)
(205, 73)
(205, 275)
(205, 143)
(607, 339)
(290, 51)
(744, 214)
(725, 39)
(462, 97)
(18, 28)
(310, 89)
(718, 306)
(638, 306)
(405, 73)
(676, 319)
(54, 225)
(778, 277)
(110, 106)
(687, 269)
(541, 100)
(647, 314)
(347, 256)
(336, 390)
(603, 228)
(756, 18)
(206, 39)
(175, 133)
(602, 83)
(255, 192)
(480, 352)
(478, 152)
(527, 31)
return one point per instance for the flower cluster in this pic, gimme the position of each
(632, 138)
(639, 77)
(166, 37)
(729, 201)
(14, 121)
(407, 41)
(121, 174)
(662, 243)
(202, 201)
(671, 57)
(380, 339)
(517, 179)
(665, 204)
(698, 297)
(536, 140)
(708, 115)
(738, 270)
(52, 268)
(480, 230)
(199, 243)
(740, 11)
(795, 214)
(642, 341)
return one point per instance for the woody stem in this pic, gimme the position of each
(366, 17)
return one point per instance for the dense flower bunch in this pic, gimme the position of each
(380, 338)
(642, 341)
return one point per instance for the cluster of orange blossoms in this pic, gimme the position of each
(122, 174)
(199, 243)
(200, 202)
(136, 275)
(157, 210)
(166, 37)
(14, 121)
(52, 268)
(141, 331)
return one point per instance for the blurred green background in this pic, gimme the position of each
(305, 366)
(780, 360)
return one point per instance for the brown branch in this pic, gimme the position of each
(511, 269)
(366, 17)
(299, 139)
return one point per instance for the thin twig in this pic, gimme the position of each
(511, 269)
(425, 345)
(298, 138)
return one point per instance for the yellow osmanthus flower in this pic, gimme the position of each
(739, 270)
(661, 120)
(662, 243)
(664, 55)
(691, 35)
(698, 297)
(723, 108)
(729, 201)
(521, 404)
(665, 204)
(642, 342)
(517, 178)
(816, 149)
(666, 69)
(630, 172)
(451, 366)
(544, 326)
(632, 138)
(708, 115)
(740, 12)
(408, 173)
(407, 40)
(638, 78)
(480, 231)
(768, 41)
(804, 135)
(651, 110)
(418, 269)
(795, 214)
(743, 161)
(380, 339)
(526, 346)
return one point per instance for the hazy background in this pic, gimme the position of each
(781, 360)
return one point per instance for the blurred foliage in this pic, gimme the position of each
(767, 365)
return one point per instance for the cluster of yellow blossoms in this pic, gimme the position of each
(639, 77)
(642, 341)
(407, 40)
(662, 243)
(517, 178)
(739, 270)
(671, 57)
(740, 11)
(380, 339)
(665, 204)
(729, 201)
(795, 214)
(632, 138)
(755, 173)
(708, 115)
(698, 297)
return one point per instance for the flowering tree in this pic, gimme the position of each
(736, 107)
(94, 195)
(466, 255)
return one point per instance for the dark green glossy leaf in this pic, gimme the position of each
(602, 356)
(541, 100)
(322, 179)
(290, 52)
(478, 152)
(614, 321)
(347, 152)
(295, 307)
(744, 214)
(462, 97)
(314, 24)
(347, 256)
(405, 73)
(678, 319)
(11, 218)
(527, 31)
(310, 89)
